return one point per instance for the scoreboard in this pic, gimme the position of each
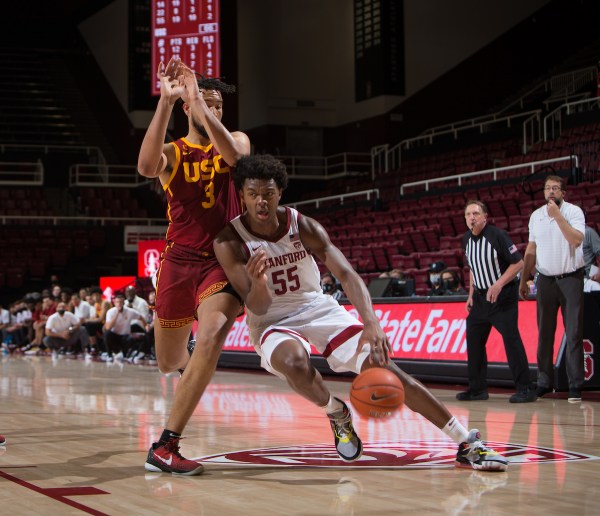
(188, 29)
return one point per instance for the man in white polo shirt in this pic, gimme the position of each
(555, 248)
(63, 331)
(117, 333)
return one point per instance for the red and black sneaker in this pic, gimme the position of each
(2, 440)
(166, 457)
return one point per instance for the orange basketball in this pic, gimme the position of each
(377, 393)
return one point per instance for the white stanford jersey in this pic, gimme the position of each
(293, 275)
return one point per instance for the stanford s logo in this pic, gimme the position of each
(398, 454)
(151, 261)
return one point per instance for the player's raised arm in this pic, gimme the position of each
(207, 105)
(152, 159)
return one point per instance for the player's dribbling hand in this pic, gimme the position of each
(380, 346)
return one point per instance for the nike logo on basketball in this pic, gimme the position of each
(374, 397)
(167, 462)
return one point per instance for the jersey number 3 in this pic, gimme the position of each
(282, 283)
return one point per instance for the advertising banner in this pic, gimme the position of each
(428, 331)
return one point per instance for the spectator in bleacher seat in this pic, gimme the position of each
(331, 287)
(494, 263)
(555, 250)
(55, 292)
(65, 297)
(591, 253)
(85, 313)
(40, 317)
(16, 333)
(31, 302)
(117, 329)
(95, 326)
(4, 322)
(451, 284)
(145, 348)
(64, 332)
(140, 305)
(84, 294)
(148, 350)
(435, 278)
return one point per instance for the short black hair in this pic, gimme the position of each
(206, 83)
(260, 166)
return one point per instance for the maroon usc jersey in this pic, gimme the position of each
(201, 196)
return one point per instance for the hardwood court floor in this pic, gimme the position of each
(78, 434)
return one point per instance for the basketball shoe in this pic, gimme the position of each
(2, 440)
(474, 454)
(347, 443)
(166, 457)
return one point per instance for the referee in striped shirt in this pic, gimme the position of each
(493, 302)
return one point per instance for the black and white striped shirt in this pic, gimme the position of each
(489, 254)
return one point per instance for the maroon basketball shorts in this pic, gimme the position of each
(184, 279)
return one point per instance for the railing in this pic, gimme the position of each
(563, 87)
(532, 132)
(379, 160)
(21, 173)
(317, 202)
(567, 84)
(328, 167)
(393, 158)
(80, 221)
(494, 171)
(120, 176)
(298, 167)
(94, 152)
(561, 84)
(566, 98)
(552, 122)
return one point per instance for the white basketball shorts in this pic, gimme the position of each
(326, 325)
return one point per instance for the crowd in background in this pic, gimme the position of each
(60, 321)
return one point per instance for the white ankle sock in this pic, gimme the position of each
(332, 406)
(456, 431)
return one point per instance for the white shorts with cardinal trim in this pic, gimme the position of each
(326, 325)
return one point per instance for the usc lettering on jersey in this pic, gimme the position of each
(201, 196)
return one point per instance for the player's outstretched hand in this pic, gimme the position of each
(170, 87)
(189, 82)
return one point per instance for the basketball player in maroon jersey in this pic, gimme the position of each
(267, 253)
(195, 173)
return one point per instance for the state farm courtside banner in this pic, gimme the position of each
(428, 331)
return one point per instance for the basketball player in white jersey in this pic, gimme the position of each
(267, 254)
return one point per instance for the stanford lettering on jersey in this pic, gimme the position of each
(284, 259)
